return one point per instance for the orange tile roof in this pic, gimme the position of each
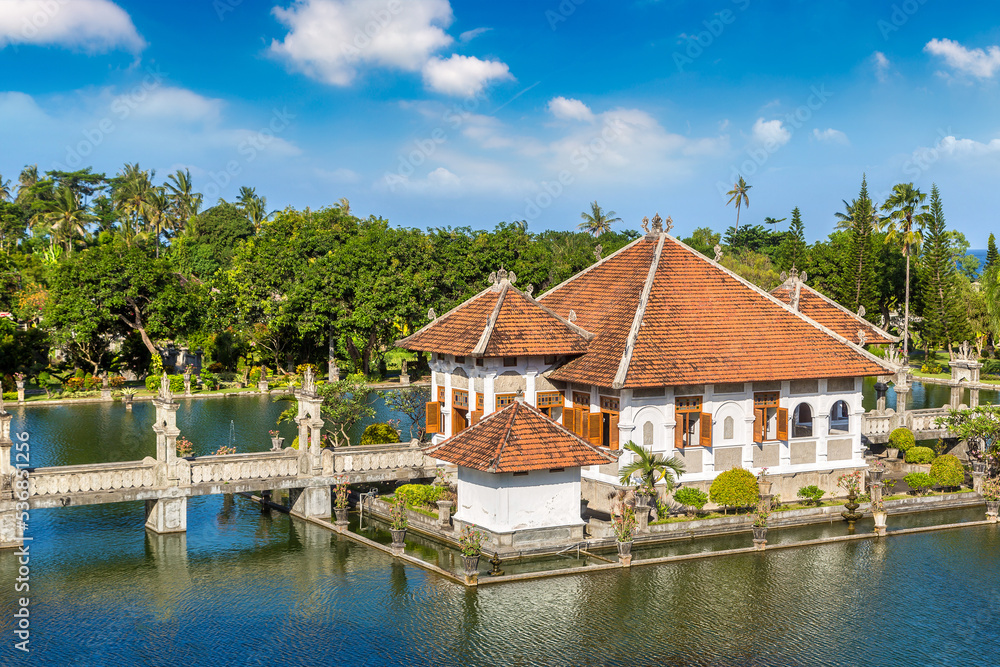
(518, 438)
(664, 314)
(500, 321)
(831, 314)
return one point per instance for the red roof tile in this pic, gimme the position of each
(518, 438)
(831, 314)
(500, 321)
(664, 314)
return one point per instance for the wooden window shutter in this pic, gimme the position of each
(679, 430)
(475, 416)
(433, 410)
(705, 439)
(782, 423)
(580, 422)
(613, 432)
(758, 426)
(595, 423)
(567, 419)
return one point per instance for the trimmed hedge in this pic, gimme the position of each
(735, 487)
(691, 497)
(919, 482)
(920, 455)
(947, 470)
(420, 494)
(379, 434)
(902, 439)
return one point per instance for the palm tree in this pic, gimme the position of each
(650, 468)
(598, 221)
(66, 217)
(4, 189)
(344, 205)
(773, 222)
(905, 205)
(156, 212)
(184, 201)
(739, 195)
(27, 178)
(131, 197)
(253, 207)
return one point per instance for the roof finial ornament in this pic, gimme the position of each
(802, 277)
(861, 310)
(529, 290)
(783, 277)
(431, 315)
(668, 225)
(572, 316)
(657, 224)
(598, 249)
(861, 337)
(645, 223)
(498, 278)
(718, 252)
(493, 277)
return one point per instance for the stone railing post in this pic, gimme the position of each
(902, 394)
(105, 387)
(187, 384)
(444, 514)
(262, 386)
(166, 429)
(310, 422)
(641, 518)
(168, 514)
(880, 390)
(20, 391)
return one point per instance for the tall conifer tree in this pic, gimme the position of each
(858, 285)
(992, 256)
(792, 251)
(944, 317)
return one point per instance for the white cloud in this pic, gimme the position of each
(967, 147)
(463, 75)
(341, 175)
(881, 66)
(178, 104)
(570, 109)
(982, 64)
(331, 40)
(470, 35)
(770, 133)
(830, 135)
(91, 25)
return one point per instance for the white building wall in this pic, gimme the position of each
(505, 502)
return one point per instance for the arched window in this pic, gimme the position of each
(840, 419)
(647, 434)
(802, 421)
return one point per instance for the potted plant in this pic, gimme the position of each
(991, 492)
(398, 521)
(185, 447)
(340, 500)
(879, 514)
(759, 526)
(624, 526)
(763, 485)
(276, 441)
(471, 544)
(876, 470)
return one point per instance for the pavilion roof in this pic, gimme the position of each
(829, 313)
(500, 321)
(518, 438)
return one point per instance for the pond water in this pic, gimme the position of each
(242, 588)
(923, 396)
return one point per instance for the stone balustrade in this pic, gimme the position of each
(875, 425)
(237, 467)
(374, 458)
(60, 480)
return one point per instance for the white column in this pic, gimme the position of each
(530, 395)
(489, 393)
(446, 408)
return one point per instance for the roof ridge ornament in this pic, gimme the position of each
(862, 336)
(718, 254)
(529, 290)
(598, 249)
(572, 315)
(431, 315)
(498, 278)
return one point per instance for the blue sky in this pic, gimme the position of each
(432, 113)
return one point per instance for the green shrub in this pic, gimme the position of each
(210, 380)
(691, 497)
(902, 439)
(811, 493)
(947, 470)
(10, 396)
(176, 383)
(920, 455)
(734, 488)
(216, 367)
(420, 494)
(919, 482)
(931, 367)
(379, 434)
(254, 376)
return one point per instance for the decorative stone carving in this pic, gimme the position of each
(431, 315)
(572, 316)
(718, 253)
(529, 290)
(598, 249)
(862, 336)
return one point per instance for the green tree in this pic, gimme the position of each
(738, 197)
(992, 256)
(858, 286)
(66, 218)
(184, 201)
(792, 251)
(598, 221)
(904, 207)
(649, 468)
(944, 318)
(704, 240)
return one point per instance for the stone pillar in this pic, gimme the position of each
(187, 384)
(263, 386)
(105, 388)
(404, 377)
(977, 482)
(11, 530)
(333, 373)
(880, 517)
(310, 421)
(313, 501)
(20, 391)
(444, 514)
(880, 390)
(166, 431)
(956, 394)
(167, 515)
(641, 518)
(902, 394)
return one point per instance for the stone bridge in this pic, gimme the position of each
(167, 481)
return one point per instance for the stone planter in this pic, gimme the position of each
(880, 521)
(444, 514)
(892, 452)
(127, 400)
(341, 514)
(625, 553)
(276, 444)
(991, 510)
(979, 466)
(764, 488)
(875, 476)
(398, 538)
(471, 564)
(759, 532)
(20, 391)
